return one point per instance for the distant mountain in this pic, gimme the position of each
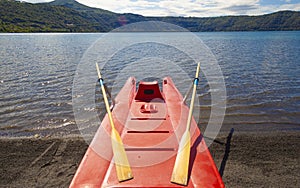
(26, 17)
(71, 16)
(113, 20)
(73, 5)
(77, 6)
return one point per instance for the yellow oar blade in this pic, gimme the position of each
(181, 167)
(121, 162)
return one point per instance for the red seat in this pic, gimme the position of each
(148, 91)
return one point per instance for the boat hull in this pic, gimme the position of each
(151, 128)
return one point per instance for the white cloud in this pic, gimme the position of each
(196, 8)
(275, 8)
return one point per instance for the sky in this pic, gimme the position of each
(193, 8)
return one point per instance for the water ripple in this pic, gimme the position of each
(261, 71)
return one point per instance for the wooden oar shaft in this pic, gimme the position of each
(105, 98)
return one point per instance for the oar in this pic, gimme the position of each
(181, 167)
(121, 162)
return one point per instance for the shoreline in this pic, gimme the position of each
(268, 159)
(238, 129)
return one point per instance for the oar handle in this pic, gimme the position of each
(98, 71)
(196, 80)
(197, 72)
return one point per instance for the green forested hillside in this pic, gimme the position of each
(280, 21)
(71, 16)
(26, 17)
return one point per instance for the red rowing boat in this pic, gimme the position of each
(151, 123)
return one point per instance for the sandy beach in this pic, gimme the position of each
(269, 159)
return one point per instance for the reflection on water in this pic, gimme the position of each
(36, 82)
(262, 82)
(260, 69)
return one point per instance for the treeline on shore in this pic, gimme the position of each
(71, 16)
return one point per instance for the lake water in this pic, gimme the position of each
(261, 72)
